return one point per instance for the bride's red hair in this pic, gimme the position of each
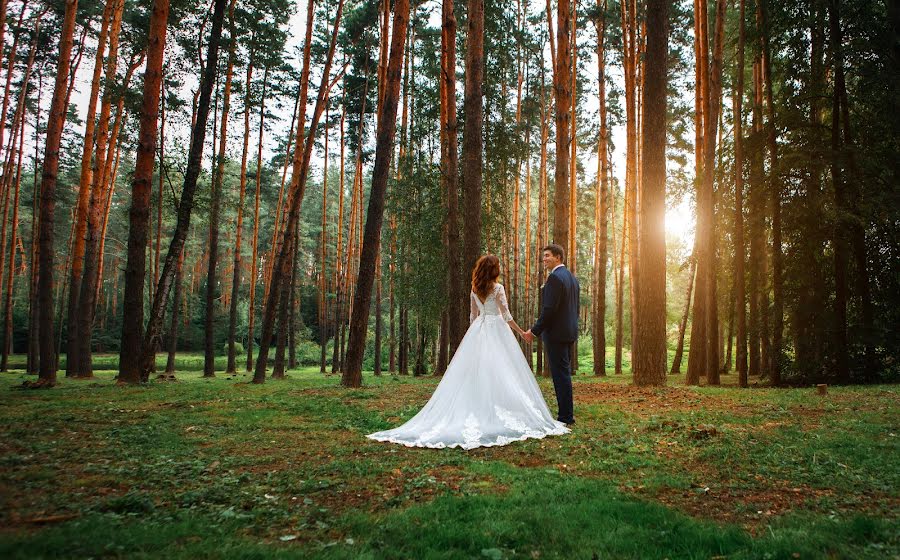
(485, 275)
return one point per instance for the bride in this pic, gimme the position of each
(488, 395)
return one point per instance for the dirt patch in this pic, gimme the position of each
(751, 508)
(645, 401)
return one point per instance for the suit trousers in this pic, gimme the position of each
(559, 358)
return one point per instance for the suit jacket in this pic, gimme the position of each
(559, 312)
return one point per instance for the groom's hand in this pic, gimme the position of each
(528, 336)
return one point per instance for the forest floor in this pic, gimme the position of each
(220, 468)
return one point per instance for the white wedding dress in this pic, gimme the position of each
(488, 395)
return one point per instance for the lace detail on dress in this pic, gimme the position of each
(509, 420)
(432, 433)
(502, 305)
(494, 305)
(471, 434)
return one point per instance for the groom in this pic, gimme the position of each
(558, 326)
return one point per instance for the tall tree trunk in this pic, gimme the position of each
(543, 206)
(456, 320)
(159, 191)
(849, 235)
(378, 321)
(55, 124)
(704, 355)
(87, 298)
(726, 364)
(620, 288)
(758, 327)
(338, 268)
(7, 306)
(775, 189)
(280, 208)
(6, 168)
(739, 244)
(323, 269)
(33, 308)
(173, 326)
(254, 265)
(630, 231)
(295, 303)
(212, 281)
(562, 85)
(231, 367)
(404, 340)
(16, 146)
(649, 359)
(3, 8)
(283, 311)
(472, 159)
(301, 160)
(420, 349)
(133, 304)
(849, 199)
(601, 219)
(84, 193)
(384, 146)
(185, 207)
(714, 103)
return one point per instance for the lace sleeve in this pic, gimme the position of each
(473, 308)
(502, 304)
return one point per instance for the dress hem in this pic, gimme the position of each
(408, 443)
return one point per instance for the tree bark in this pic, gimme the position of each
(739, 244)
(139, 216)
(33, 365)
(775, 188)
(758, 304)
(173, 326)
(601, 219)
(87, 298)
(620, 290)
(384, 143)
(84, 193)
(295, 198)
(185, 207)
(55, 124)
(630, 210)
(283, 313)
(456, 320)
(378, 322)
(212, 281)
(472, 157)
(7, 307)
(649, 360)
(16, 146)
(254, 266)
(704, 355)
(231, 367)
(562, 84)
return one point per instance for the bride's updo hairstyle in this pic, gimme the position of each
(485, 275)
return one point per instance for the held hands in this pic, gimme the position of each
(528, 336)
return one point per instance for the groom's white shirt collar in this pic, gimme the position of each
(555, 267)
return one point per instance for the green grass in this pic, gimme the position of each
(220, 468)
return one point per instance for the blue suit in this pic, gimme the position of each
(558, 328)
